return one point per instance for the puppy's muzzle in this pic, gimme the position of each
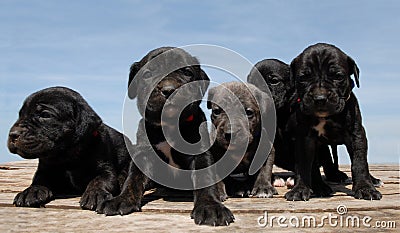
(234, 135)
(167, 87)
(320, 97)
(19, 143)
(14, 135)
(230, 134)
(167, 90)
(320, 100)
(13, 138)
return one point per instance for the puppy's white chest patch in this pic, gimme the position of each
(165, 148)
(320, 127)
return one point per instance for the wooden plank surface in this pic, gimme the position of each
(170, 212)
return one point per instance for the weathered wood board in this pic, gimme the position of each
(171, 213)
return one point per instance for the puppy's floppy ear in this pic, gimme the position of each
(87, 120)
(251, 77)
(255, 77)
(211, 93)
(267, 109)
(132, 83)
(354, 70)
(265, 100)
(206, 81)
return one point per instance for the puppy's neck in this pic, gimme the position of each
(218, 151)
(188, 128)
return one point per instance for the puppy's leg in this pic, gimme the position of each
(221, 191)
(335, 156)
(305, 154)
(319, 187)
(130, 198)
(262, 186)
(331, 170)
(363, 187)
(208, 209)
(39, 193)
(101, 188)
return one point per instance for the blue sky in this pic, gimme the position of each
(89, 46)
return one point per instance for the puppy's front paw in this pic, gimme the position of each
(92, 198)
(298, 193)
(289, 182)
(222, 196)
(119, 205)
(263, 191)
(366, 191)
(213, 214)
(34, 196)
(279, 182)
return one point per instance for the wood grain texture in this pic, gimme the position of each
(167, 211)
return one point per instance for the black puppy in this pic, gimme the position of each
(237, 133)
(77, 152)
(328, 114)
(155, 80)
(275, 75)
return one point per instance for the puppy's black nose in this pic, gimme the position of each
(320, 99)
(14, 135)
(228, 136)
(167, 90)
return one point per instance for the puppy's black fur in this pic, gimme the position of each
(328, 114)
(152, 81)
(236, 132)
(77, 152)
(276, 75)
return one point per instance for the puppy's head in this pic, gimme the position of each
(322, 76)
(237, 112)
(159, 75)
(276, 75)
(50, 121)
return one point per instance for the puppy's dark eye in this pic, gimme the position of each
(45, 114)
(338, 76)
(147, 74)
(249, 112)
(273, 80)
(216, 111)
(187, 72)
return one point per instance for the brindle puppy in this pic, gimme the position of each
(240, 131)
